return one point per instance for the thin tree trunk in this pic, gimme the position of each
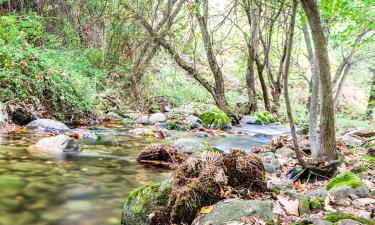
(286, 94)
(327, 150)
(314, 94)
(263, 84)
(341, 83)
(371, 101)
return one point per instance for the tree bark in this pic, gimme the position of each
(266, 99)
(341, 84)
(371, 101)
(285, 79)
(327, 150)
(314, 94)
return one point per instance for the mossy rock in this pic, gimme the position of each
(175, 125)
(345, 179)
(335, 217)
(316, 204)
(213, 149)
(215, 119)
(264, 118)
(143, 201)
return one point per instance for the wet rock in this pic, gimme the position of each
(143, 201)
(285, 153)
(20, 114)
(11, 204)
(248, 120)
(161, 156)
(188, 146)
(10, 185)
(77, 205)
(47, 125)
(141, 131)
(84, 134)
(200, 134)
(157, 118)
(348, 222)
(195, 121)
(3, 114)
(79, 191)
(113, 115)
(57, 145)
(132, 116)
(231, 212)
(143, 120)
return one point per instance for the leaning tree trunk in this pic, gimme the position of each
(285, 79)
(327, 139)
(341, 84)
(371, 100)
(314, 95)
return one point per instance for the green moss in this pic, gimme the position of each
(213, 149)
(275, 189)
(316, 204)
(348, 178)
(335, 217)
(215, 119)
(142, 201)
(264, 118)
(359, 169)
(305, 128)
(175, 125)
(369, 158)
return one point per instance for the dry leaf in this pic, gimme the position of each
(206, 209)
(290, 207)
(298, 185)
(327, 206)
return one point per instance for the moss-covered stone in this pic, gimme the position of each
(303, 205)
(264, 118)
(345, 179)
(215, 119)
(213, 149)
(143, 201)
(316, 204)
(335, 217)
(175, 125)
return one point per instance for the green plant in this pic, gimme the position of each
(348, 178)
(335, 217)
(216, 119)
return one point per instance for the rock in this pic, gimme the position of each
(231, 211)
(362, 133)
(193, 120)
(285, 152)
(143, 201)
(271, 164)
(3, 114)
(161, 125)
(143, 120)
(47, 125)
(337, 217)
(57, 145)
(11, 204)
(132, 116)
(303, 205)
(345, 179)
(84, 134)
(200, 134)
(157, 118)
(188, 146)
(20, 115)
(264, 118)
(363, 202)
(10, 185)
(167, 108)
(79, 191)
(316, 221)
(351, 141)
(113, 115)
(248, 120)
(316, 204)
(342, 195)
(319, 194)
(141, 131)
(348, 222)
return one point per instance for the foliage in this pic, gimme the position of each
(216, 119)
(264, 118)
(348, 179)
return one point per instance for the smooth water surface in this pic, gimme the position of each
(89, 188)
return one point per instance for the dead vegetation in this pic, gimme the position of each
(161, 156)
(201, 181)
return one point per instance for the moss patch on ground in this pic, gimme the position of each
(348, 179)
(335, 217)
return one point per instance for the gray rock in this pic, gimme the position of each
(363, 202)
(86, 134)
(351, 141)
(161, 125)
(226, 212)
(167, 108)
(317, 221)
(348, 222)
(319, 194)
(193, 120)
(157, 118)
(271, 164)
(303, 205)
(285, 152)
(57, 145)
(342, 195)
(188, 145)
(113, 115)
(362, 191)
(47, 125)
(132, 116)
(248, 120)
(141, 131)
(267, 156)
(3, 114)
(200, 134)
(143, 120)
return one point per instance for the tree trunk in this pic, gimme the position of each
(314, 94)
(285, 79)
(341, 84)
(371, 100)
(327, 150)
(263, 84)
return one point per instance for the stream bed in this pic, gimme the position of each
(90, 188)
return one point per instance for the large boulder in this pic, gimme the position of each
(144, 201)
(56, 145)
(47, 125)
(248, 120)
(215, 119)
(143, 120)
(189, 145)
(20, 114)
(3, 114)
(157, 118)
(232, 211)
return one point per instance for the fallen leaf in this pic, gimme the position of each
(298, 185)
(206, 209)
(290, 207)
(327, 206)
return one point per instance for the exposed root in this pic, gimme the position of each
(161, 156)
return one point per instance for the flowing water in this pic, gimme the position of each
(89, 188)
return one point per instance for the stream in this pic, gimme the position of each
(91, 187)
